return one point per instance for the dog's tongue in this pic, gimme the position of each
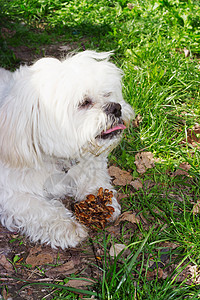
(117, 127)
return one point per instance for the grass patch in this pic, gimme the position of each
(156, 44)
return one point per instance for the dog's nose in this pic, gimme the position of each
(113, 109)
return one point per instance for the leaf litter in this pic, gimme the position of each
(41, 263)
(182, 169)
(144, 161)
(115, 249)
(192, 136)
(120, 177)
(128, 216)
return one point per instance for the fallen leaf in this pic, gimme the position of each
(136, 122)
(65, 269)
(121, 196)
(137, 184)
(5, 294)
(115, 230)
(157, 273)
(39, 259)
(144, 161)
(196, 128)
(5, 263)
(130, 5)
(7, 33)
(191, 273)
(187, 52)
(192, 137)
(35, 250)
(196, 208)
(116, 249)
(143, 219)
(182, 170)
(128, 216)
(169, 245)
(79, 282)
(121, 177)
(158, 211)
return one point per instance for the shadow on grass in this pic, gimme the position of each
(23, 43)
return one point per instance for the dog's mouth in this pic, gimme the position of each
(112, 131)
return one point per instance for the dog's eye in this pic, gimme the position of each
(86, 103)
(107, 95)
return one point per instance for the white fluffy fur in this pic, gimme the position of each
(44, 130)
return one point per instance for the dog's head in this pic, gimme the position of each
(64, 109)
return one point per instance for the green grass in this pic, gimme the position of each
(149, 37)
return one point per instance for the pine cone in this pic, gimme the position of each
(94, 212)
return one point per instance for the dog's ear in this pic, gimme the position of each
(19, 115)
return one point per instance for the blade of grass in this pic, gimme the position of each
(133, 260)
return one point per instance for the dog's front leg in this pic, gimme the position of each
(91, 174)
(46, 221)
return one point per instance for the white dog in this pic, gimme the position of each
(58, 122)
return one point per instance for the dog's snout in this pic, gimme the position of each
(113, 109)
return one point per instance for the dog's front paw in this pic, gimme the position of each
(66, 233)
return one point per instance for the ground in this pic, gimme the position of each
(22, 262)
(27, 54)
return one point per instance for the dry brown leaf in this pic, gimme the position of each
(158, 211)
(130, 5)
(79, 282)
(157, 273)
(65, 269)
(5, 263)
(196, 128)
(144, 161)
(137, 184)
(187, 52)
(191, 273)
(121, 177)
(39, 259)
(136, 122)
(114, 230)
(169, 245)
(116, 249)
(183, 169)
(121, 196)
(128, 216)
(148, 184)
(7, 33)
(196, 208)
(35, 250)
(143, 219)
(5, 294)
(192, 137)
